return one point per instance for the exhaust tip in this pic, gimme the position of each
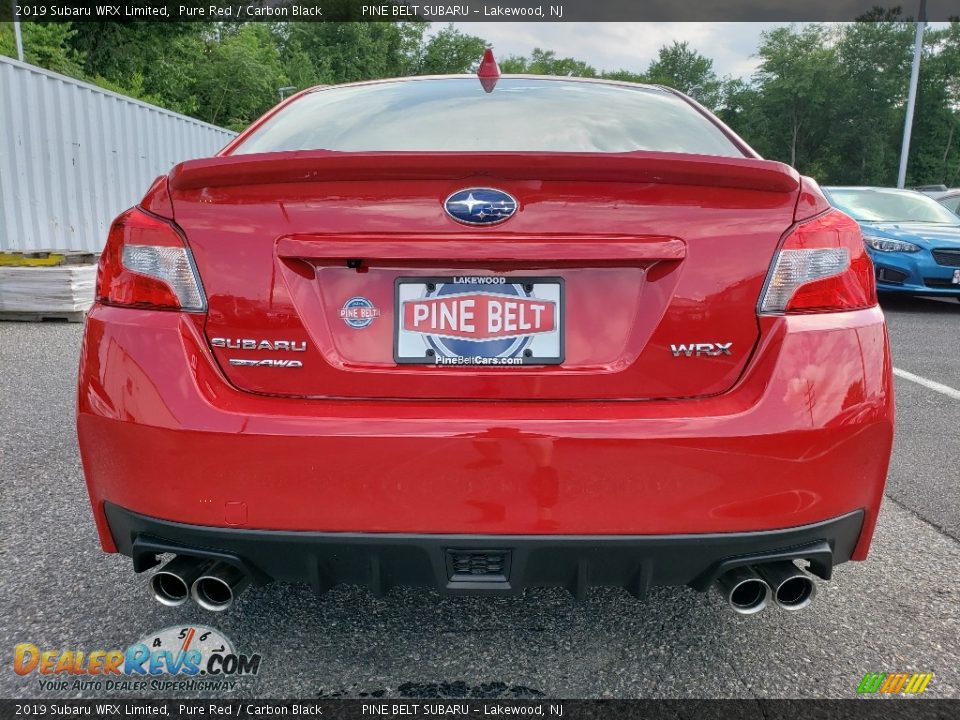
(745, 592)
(749, 597)
(217, 588)
(212, 593)
(796, 593)
(169, 589)
(792, 588)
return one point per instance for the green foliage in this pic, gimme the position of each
(872, 76)
(348, 52)
(450, 51)
(795, 98)
(546, 62)
(624, 76)
(684, 69)
(45, 44)
(239, 77)
(8, 43)
(830, 100)
(938, 112)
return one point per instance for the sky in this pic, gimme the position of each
(627, 46)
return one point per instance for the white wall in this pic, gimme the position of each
(73, 156)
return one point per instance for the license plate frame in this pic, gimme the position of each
(523, 351)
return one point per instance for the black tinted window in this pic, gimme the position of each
(455, 114)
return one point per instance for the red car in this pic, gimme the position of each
(481, 336)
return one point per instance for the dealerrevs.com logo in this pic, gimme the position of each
(194, 657)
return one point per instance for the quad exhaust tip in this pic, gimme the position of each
(215, 585)
(744, 590)
(792, 588)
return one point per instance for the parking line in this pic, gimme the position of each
(931, 384)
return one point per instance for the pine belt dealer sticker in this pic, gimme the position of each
(178, 658)
(359, 312)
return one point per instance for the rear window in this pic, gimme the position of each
(521, 114)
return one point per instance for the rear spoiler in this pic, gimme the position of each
(634, 167)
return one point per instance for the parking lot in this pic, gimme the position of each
(900, 611)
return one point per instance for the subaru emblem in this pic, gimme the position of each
(480, 206)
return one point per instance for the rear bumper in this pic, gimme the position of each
(508, 563)
(803, 437)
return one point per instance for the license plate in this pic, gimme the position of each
(956, 277)
(479, 320)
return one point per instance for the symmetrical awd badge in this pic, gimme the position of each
(254, 344)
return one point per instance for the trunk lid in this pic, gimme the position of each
(644, 268)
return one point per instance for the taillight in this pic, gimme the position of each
(147, 264)
(822, 266)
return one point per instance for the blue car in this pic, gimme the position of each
(913, 240)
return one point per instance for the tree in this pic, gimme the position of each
(348, 52)
(156, 62)
(450, 51)
(8, 43)
(249, 57)
(935, 149)
(737, 105)
(47, 45)
(681, 67)
(546, 62)
(949, 59)
(796, 99)
(625, 76)
(870, 100)
(119, 50)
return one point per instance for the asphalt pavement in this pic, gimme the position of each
(899, 611)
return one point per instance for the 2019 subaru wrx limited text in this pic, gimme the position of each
(482, 337)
